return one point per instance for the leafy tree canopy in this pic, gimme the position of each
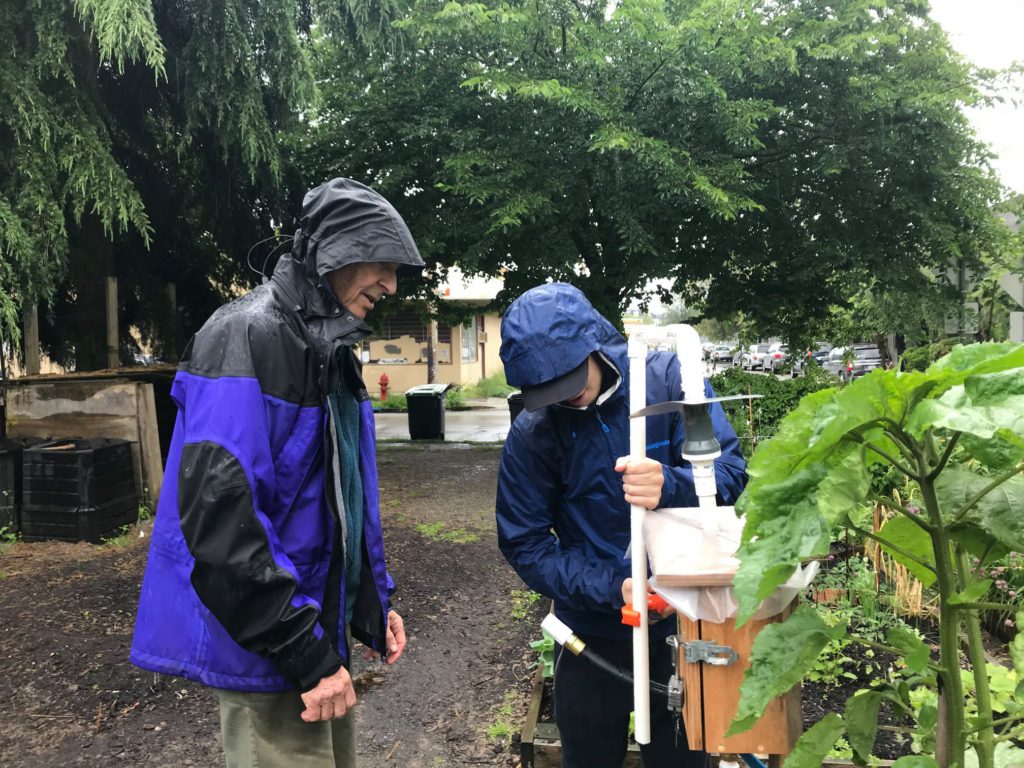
(141, 139)
(771, 157)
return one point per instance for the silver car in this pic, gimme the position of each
(774, 358)
(849, 363)
(753, 356)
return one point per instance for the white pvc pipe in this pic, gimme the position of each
(691, 360)
(637, 348)
(691, 371)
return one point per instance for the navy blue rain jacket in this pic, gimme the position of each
(563, 522)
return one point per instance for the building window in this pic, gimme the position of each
(469, 341)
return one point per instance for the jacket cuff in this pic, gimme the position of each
(306, 666)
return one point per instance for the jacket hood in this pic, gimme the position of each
(343, 222)
(550, 330)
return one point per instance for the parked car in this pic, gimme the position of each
(850, 363)
(752, 356)
(722, 353)
(774, 358)
(819, 355)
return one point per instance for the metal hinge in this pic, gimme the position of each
(695, 651)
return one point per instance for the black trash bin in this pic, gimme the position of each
(515, 405)
(426, 411)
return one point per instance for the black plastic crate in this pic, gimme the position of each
(11, 480)
(78, 490)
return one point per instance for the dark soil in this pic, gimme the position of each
(819, 699)
(68, 695)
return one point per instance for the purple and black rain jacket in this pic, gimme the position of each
(244, 586)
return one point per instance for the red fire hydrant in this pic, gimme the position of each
(383, 386)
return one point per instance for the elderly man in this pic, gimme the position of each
(267, 556)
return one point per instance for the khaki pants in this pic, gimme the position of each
(264, 730)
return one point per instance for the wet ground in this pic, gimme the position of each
(69, 697)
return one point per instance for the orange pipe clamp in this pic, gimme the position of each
(655, 604)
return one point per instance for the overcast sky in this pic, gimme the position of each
(991, 34)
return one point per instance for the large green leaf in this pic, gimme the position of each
(977, 590)
(1000, 512)
(915, 653)
(1004, 449)
(769, 560)
(862, 722)
(814, 744)
(1006, 756)
(780, 657)
(956, 411)
(1017, 648)
(915, 761)
(987, 400)
(904, 533)
(970, 359)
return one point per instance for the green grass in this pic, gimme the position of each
(436, 532)
(522, 599)
(120, 541)
(502, 727)
(492, 386)
(453, 400)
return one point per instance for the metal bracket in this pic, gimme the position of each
(701, 650)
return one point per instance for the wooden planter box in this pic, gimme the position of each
(711, 697)
(539, 743)
(711, 694)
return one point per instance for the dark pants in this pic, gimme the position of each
(592, 710)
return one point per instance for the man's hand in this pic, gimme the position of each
(652, 616)
(332, 698)
(642, 480)
(394, 640)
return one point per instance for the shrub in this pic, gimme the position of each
(757, 420)
(454, 399)
(919, 358)
(492, 386)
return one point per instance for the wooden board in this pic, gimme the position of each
(712, 694)
(117, 408)
(696, 579)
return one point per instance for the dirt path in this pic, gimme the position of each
(69, 697)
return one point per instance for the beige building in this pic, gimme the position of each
(463, 354)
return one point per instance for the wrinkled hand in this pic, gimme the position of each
(642, 480)
(332, 698)
(652, 616)
(394, 640)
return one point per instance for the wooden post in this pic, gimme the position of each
(31, 320)
(113, 353)
(432, 353)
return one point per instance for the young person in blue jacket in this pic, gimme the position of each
(267, 554)
(564, 490)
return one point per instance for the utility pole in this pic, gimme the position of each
(1013, 285)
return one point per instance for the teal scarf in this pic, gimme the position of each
(345, 408)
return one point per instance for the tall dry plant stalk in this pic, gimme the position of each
(908, 599)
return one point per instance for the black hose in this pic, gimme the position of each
(618, 672)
